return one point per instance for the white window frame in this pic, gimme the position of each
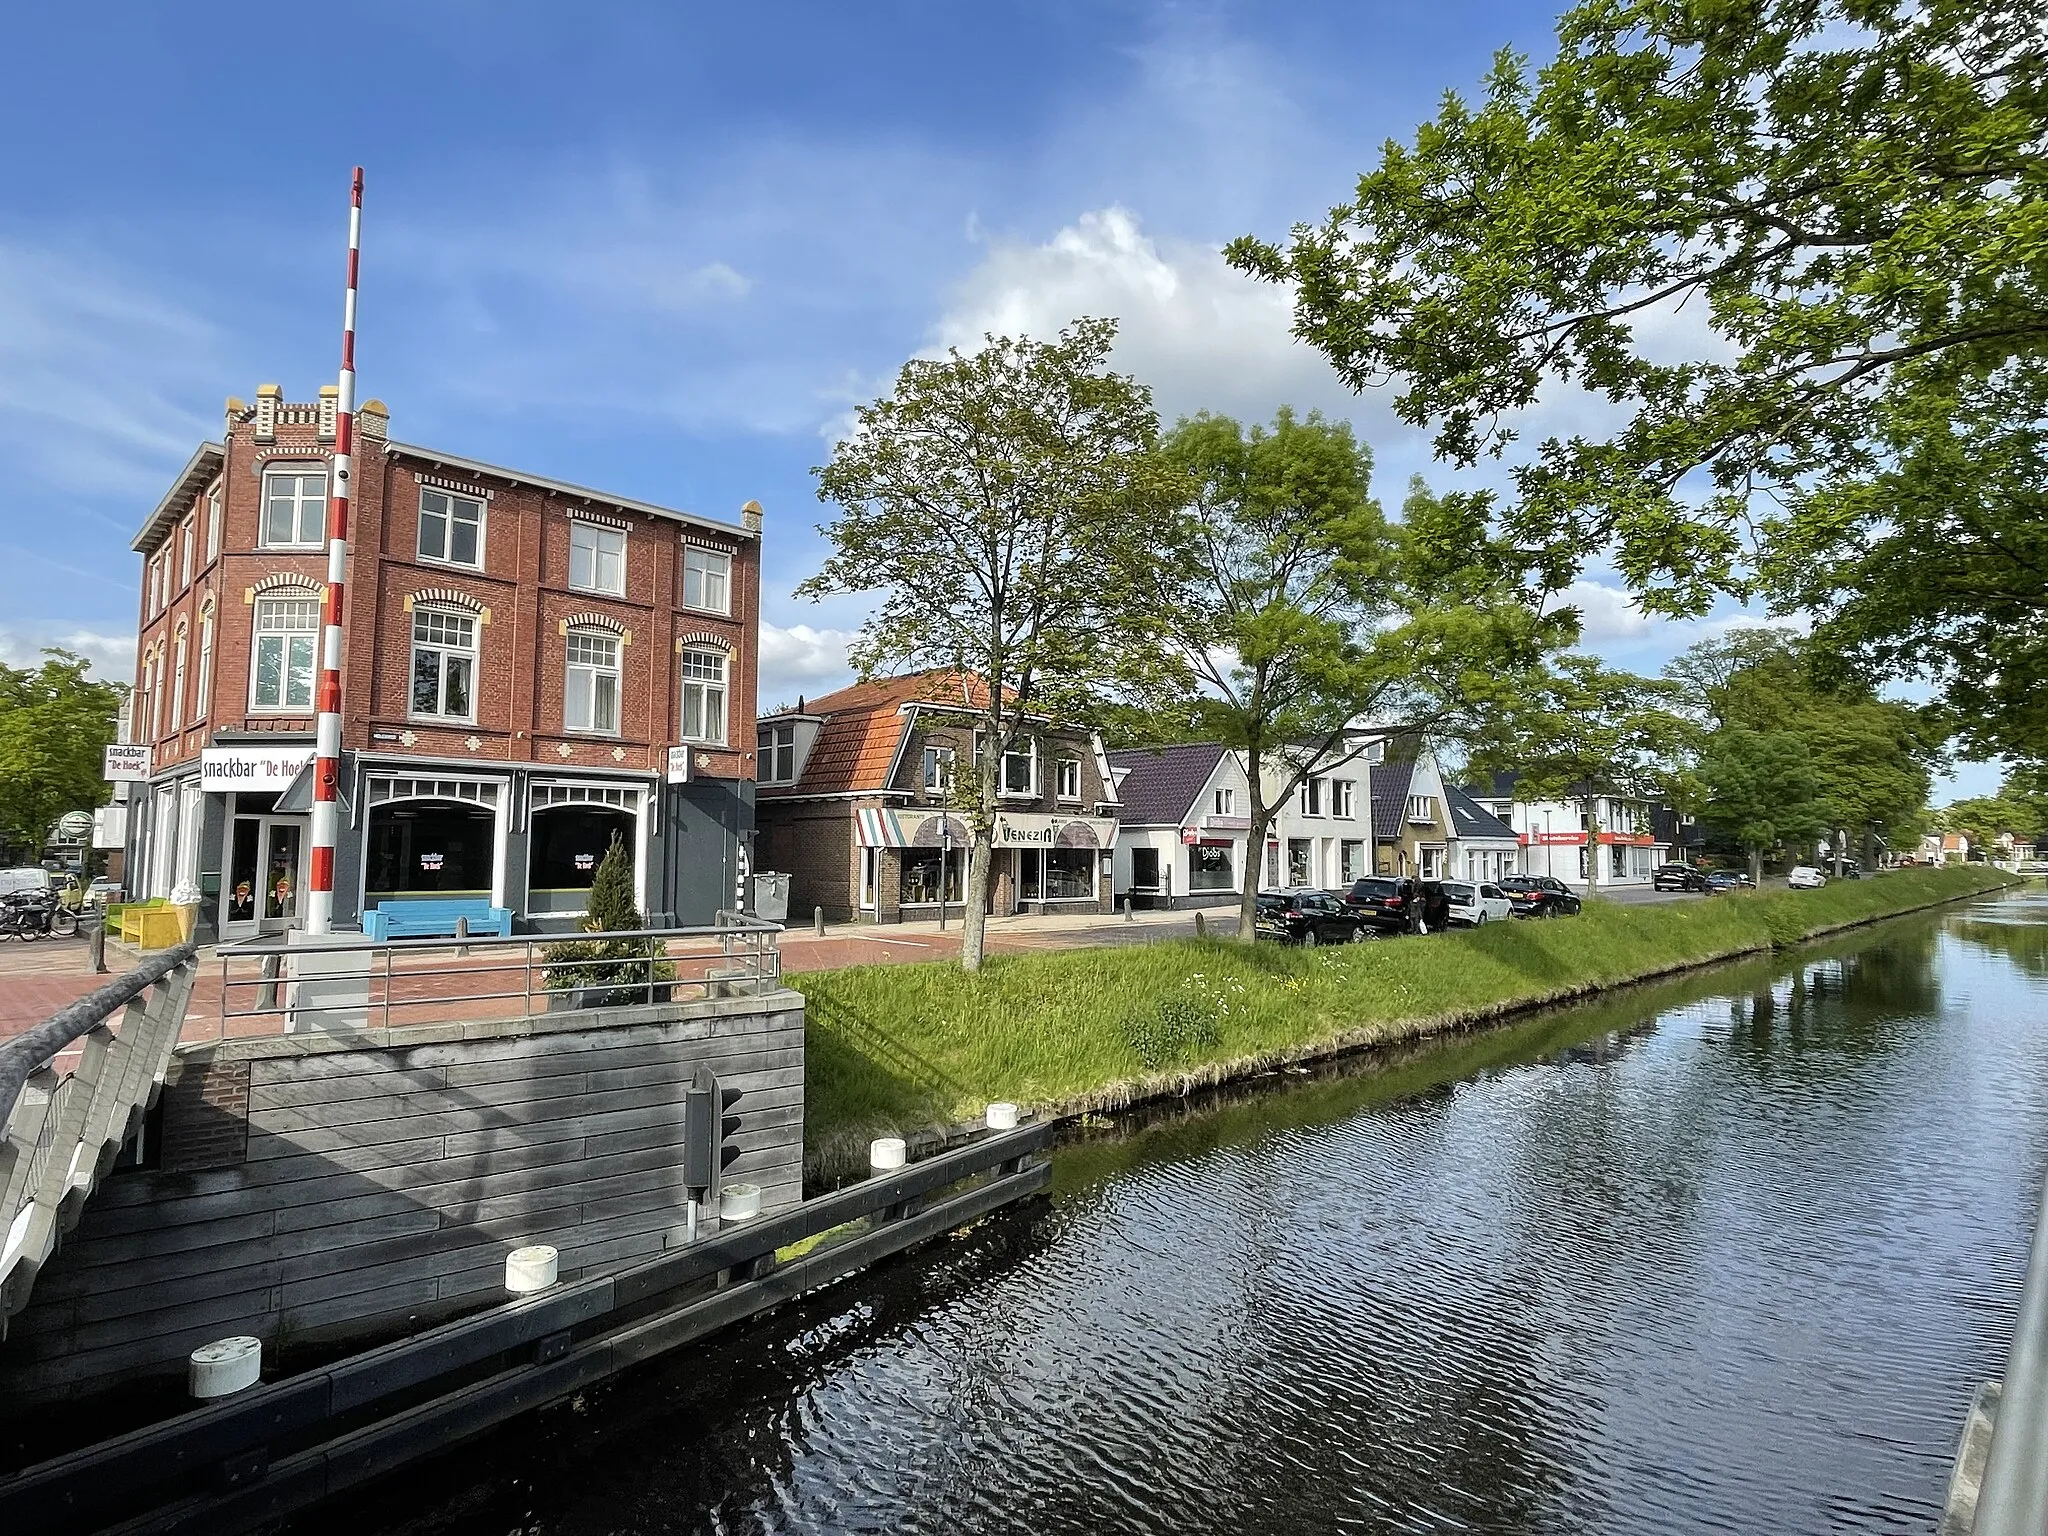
(213, 525)
(204, 688)
(771, 744)
(1029, 751)
(580, 680)
(1225, 802)
(431, 612)
(1422, 810)
(1312, 795)
(178, 651)
(597, 534)
(1063, 769)
(705, 688)
(188, 546)
(941, 769)
(296, 472)
(454, 499)
(1343, 799)
(156, 699)
(707, 566)
(283, 705)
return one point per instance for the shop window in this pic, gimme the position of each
(567, 842)
(919, 883)
(283, 670)
(294, 508)
(1209, 869)
(597, 558)
(591, 692)
(443, 664)
(429, 847)
(1300, 861)
(707, 580)
(1351, 860)
(451, 528)
(1069, 874)
(703, 696)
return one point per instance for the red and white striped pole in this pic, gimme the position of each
(327, 740)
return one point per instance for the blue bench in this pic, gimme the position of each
(426, 919)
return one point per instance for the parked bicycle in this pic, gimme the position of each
(31, 915)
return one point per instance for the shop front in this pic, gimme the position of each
(914, 863)
(254, 882)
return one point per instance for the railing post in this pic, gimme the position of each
(266, 995)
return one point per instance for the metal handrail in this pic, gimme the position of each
(21, 1056)
(2013, 1499)
(737, 923)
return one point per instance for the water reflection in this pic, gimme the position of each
(1723, 1254)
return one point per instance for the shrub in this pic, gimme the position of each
(575, 963)
(1184, 1025)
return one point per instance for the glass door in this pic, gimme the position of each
(283, 878)
(238, 900)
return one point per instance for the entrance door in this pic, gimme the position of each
(266, 876)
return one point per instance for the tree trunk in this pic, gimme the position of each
(974, 921)
(1592, 805)
(1756, 863)
(1841, 849)
(1254, 855)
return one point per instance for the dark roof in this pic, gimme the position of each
(1667, 828)
(1470, 819)
(864, 726)
(1160, 789)
(1390, 778)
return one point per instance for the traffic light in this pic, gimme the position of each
(709, 1125)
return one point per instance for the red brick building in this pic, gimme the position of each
(854, 795)
(521, 655)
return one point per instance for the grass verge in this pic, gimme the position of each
(893, 1048)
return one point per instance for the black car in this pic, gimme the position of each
(1540, 896)
(1678, 877)
(1394, 903)
(1728, 880)
(1307, 917)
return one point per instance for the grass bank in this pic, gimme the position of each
(894, 1048)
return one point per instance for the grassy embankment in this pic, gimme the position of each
(896, 1047)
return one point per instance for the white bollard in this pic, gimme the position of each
(1001, 1117)
(886, 1155)
(224, 1367)
(739, 1202)
(531, 1269)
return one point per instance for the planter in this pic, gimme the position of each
(635, 995)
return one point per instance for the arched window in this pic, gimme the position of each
(570, 828)
(429, 847)
(202, 693)
(282, 662)
(703, 672)
(590, 700)
(443, 663)
(178, 681)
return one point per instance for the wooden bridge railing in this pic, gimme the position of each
(63, 1130)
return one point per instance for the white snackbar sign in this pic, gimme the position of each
(227, 768)
(126, 765)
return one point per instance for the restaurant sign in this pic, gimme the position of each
(222, 769)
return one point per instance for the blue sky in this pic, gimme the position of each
(660, 249)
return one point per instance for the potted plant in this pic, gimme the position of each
(609, 973)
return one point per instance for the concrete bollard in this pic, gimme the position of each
(1201, 926)
(224, 1367)
(531, 1269)
(96, 946)
(1127, 910)
(1001, 1117)
(818, 921)
(887, 1155)
(461, 933)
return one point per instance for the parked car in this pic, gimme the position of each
(1474, 905)
(1804, 877)
(1728, 880)
(103, 889)
(1678, 877)
(1392, 903)
(1307, 917)
(1540, 896)
(29, 877)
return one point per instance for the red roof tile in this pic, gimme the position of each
(864, 726)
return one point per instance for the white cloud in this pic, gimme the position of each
(801, 660)
(112, 656)
(1201, 334)
(1610, 619)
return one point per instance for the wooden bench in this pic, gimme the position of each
(431, 919)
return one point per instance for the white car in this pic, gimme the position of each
(1805, 877)
(1473, 905)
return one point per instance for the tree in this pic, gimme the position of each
(1843, 201)
(1580, 732)
(1003, 505)
(1289, 608)
(1759, 788)
(55, 722)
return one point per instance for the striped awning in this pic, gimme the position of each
(879, 827)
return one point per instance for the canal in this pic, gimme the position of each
(1725, 1254)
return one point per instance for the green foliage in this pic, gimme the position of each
(599, 964)
(894, 1047)
(1759, 787)
(1844, 202)
(1000, 506)
(611, 908)
(55, 721)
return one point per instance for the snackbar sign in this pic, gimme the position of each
(222, 769)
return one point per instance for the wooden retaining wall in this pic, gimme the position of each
(318, 1188)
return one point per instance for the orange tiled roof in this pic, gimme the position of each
(864, 725)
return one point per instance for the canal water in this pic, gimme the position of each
(1728, 1254)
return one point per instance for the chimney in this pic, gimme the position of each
(750, 517)
(330, 406)
(268, 398)
(373, 419)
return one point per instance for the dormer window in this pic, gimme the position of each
(776, 745)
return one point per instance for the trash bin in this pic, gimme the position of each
(771, 896)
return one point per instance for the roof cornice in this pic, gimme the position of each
(568, 488)
(204, 465)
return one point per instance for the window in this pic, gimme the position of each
(938, 770)
(1226, 802)
(597, 558)
(1422, 809)
(923, 879)
(294, 508)
(703, 696)
(1617, 855)
(1351, 861)
(1067, 778)
(178, 683)
(1300, 861)
(213, 529)
(1312, 796)
(156, 586)
(1209, 869)
(1341, 797)
(444, 664)
(1376, 752)
(429, 848)
(1069, 874)
(285, 627)
(777, 745)
(188, 545)
(451, 528)
(156, 698)
(590, 700)
(201, 692)
(707, 580)
(1020, 770)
